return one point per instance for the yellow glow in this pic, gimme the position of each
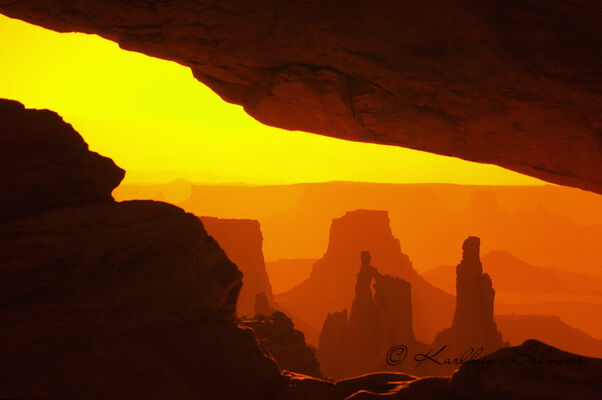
(157, 122)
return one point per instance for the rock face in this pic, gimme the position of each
(473, 326)
(330, 285)
(241, 239)
(56, 171)
(532, 370)
(513, 83)
(277, 333)
(110, 300)
(380, 318)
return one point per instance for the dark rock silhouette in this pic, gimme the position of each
(110, 300)
(241, 239)
(532, 370)
(277, 333)
(330, 285)
(56, 171)
(380, 318)
(473, 325)
(512, 83)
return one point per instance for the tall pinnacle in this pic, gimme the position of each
(471, 249)
(473, 325)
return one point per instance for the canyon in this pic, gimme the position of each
(422, 216)
(134, 299)
(330, 285)
(142, 299)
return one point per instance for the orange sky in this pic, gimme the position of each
(157, 122)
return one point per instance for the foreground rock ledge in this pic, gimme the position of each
(110, 300)
(515, 83)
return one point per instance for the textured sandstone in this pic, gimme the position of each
(105, 269)
(202, 359)
(242, 241)
(514, 83)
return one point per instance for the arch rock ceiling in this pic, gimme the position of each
(517, 83)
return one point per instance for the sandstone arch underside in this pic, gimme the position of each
(517, 83)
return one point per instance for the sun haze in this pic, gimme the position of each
(159, 123)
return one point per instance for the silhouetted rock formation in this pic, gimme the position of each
(380, 318)
(473, 326)
(277, 333)
(532, 370)
(56, 170)
(330, 285)
(135, 300)
(241, 239)
(513, 83)
(372, 386)
(110, 300)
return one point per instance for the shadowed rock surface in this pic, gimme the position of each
(473, 326)
(45, 164)
(111, 300)
(330, 285)
(513, 83)
(277, 333)
(242, 241)
(532, 370)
